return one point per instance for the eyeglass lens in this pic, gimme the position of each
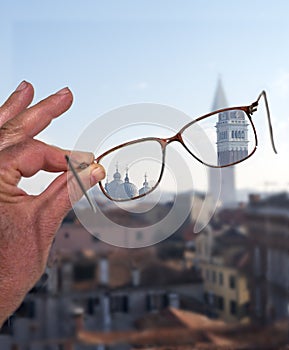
(230, 133)
(132, 170)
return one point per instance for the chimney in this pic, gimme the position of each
(174, 300)
(103, 271)
(135, 276)
(77, 314)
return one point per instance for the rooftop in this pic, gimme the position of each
(181, 329)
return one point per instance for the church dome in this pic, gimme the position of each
(146, 188)
(111, 187)
(117, 176)
(126, 189)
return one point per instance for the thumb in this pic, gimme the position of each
(65, 191)
(80, 181)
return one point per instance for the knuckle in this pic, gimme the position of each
(10, 135)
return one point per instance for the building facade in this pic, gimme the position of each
(268, 229)
(226, 292)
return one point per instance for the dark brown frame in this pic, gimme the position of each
(249, 110)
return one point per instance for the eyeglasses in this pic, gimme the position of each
(222, 138)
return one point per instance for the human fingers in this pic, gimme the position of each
(27, 158)
(36, 118)
(19, 100)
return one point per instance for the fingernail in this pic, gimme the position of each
(63, 91)
(97, 174)
(21, 86)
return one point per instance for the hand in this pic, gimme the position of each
(28, 223)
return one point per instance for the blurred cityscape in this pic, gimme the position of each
(224, 288)
(227, 287)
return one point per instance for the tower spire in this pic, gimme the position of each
(220, 100)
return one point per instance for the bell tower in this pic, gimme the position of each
(228, 151)
(232, 136)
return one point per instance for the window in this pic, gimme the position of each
(119, 303)
(233, 307)
(232, 282)
(83, 272)
(91, 304)
(244, 309)
(220, 303)
(156, 301)
(221, 278)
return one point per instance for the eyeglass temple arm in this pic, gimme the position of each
(74, 172)
(254, 109)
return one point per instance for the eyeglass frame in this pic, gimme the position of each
(164, 142)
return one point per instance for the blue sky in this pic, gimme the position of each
(113, 53)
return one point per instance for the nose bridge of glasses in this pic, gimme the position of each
(177, 137)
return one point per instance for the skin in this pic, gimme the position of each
(28, 223)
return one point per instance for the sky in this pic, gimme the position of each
(115, 53)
